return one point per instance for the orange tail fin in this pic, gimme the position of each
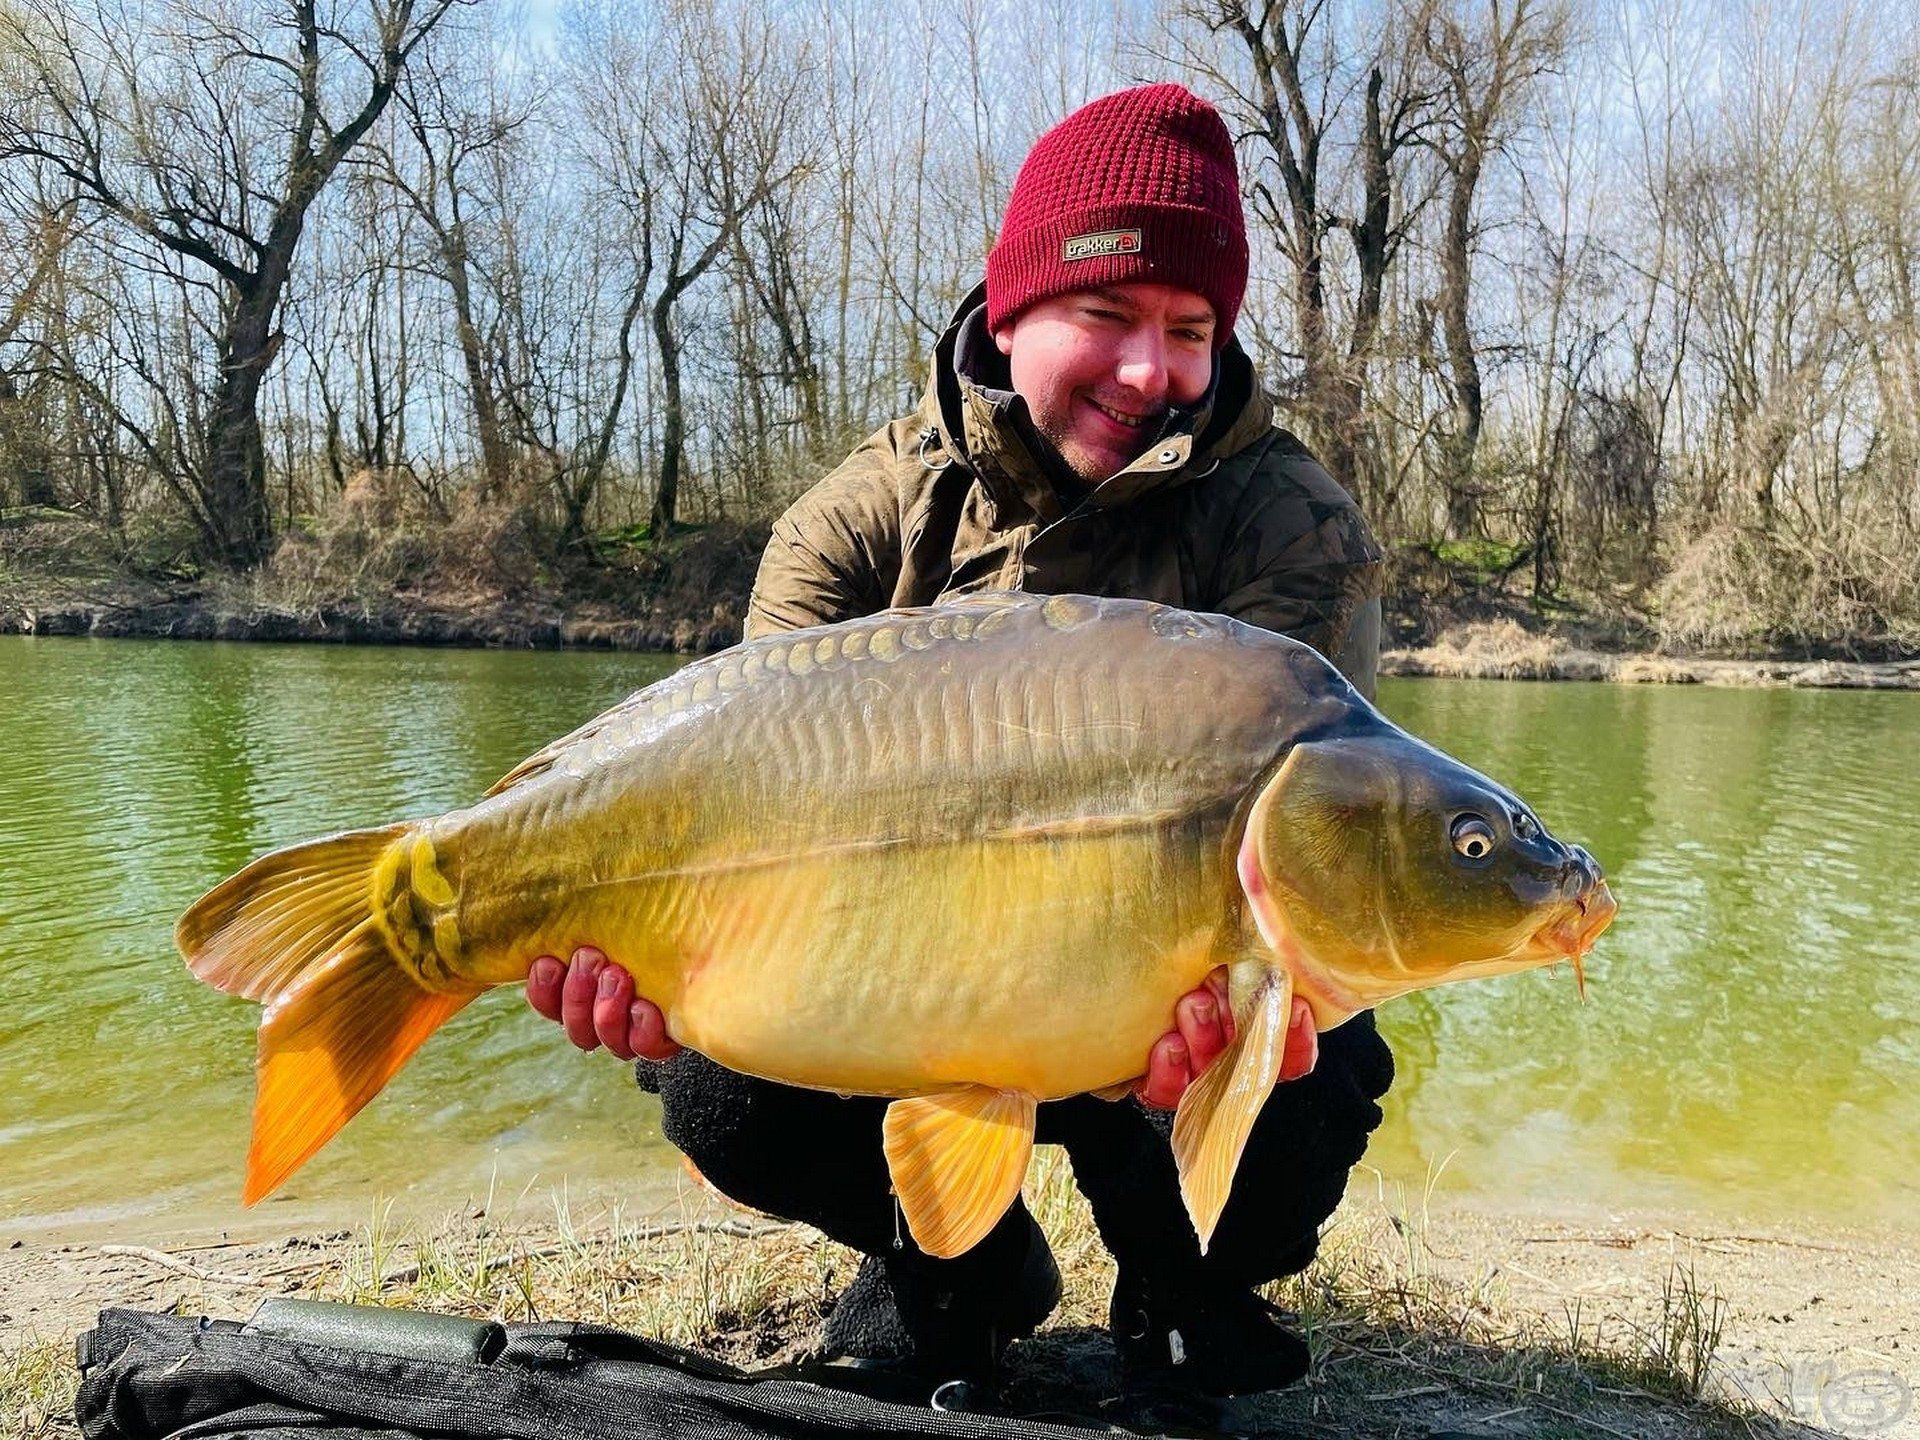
(296, 930)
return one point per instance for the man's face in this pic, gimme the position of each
(1098, 368)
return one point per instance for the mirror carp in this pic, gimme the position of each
(965, 856)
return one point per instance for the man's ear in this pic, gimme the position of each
(1003, 337)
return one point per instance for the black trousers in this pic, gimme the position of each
(814, 1157)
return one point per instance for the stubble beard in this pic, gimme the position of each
(1065, 445)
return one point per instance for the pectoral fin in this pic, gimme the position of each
(1216, 1114)
(957, 1160)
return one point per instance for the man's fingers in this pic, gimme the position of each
(1197, 1015)
(647, 1032)
(613, 1010)
(1303, 1042)
(544, 980)
(1167, 1073)
(1217, 982)
(578, 994)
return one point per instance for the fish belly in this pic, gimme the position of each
(984, 845)
(1048, 967)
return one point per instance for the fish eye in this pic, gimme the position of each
(1473, 837)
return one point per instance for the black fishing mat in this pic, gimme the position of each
(306, 1370)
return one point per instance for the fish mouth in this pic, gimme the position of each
(1571, 934)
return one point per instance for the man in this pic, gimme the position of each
(1091, 427)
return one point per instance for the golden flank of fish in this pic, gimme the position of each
(966, 856)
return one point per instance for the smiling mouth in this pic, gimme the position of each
(1122, 417)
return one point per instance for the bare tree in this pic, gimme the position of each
(1331, 130)
(212, 141)
(36, 241)
(1567, 291)
(705, 130)
(454, 132)
(1486, 64)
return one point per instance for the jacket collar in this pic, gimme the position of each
(977, 418)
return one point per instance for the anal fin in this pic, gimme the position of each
(1216, 1114)
(958, 1158)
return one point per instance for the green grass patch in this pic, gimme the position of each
(1481, 559)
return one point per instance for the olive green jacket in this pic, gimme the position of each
(1222, 513)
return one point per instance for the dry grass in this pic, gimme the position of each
(739, 1287)
(1739, 588)
(385, 535)
(1505, 650)
(1399, 1340)
(1384, 1317)
(1496, 649)
(36, 1390)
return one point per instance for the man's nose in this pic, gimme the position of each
(1143, 364)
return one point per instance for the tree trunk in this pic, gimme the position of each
(673, 424)
(235, 485)
(23, 447)
(1461, 444)
(580, 493)
(496, 460)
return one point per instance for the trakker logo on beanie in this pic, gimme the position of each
(1139, 185)
(1107, 242)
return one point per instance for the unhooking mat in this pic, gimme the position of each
(306, 1370)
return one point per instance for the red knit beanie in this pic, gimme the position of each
(1139, 185)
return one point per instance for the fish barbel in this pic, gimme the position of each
(966, 856)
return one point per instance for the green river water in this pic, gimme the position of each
(1748, 1050)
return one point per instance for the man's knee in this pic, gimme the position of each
(706, 1111)
(1359, 1053)
(799, 1154)
(1338, 1103)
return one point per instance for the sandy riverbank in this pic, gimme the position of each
(1455, 1320)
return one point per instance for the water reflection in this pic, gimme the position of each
(138, 774)
(1745, 1049)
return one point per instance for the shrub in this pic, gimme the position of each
(1743, 587)
(385, 535)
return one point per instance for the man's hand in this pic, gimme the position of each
(1203, 1027)
(594, 999)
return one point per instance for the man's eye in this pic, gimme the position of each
(1195, 337)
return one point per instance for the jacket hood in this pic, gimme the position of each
(976, 417)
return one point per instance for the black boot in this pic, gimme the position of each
(864, 1323)
(1215, 1342)
(932, 1331)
